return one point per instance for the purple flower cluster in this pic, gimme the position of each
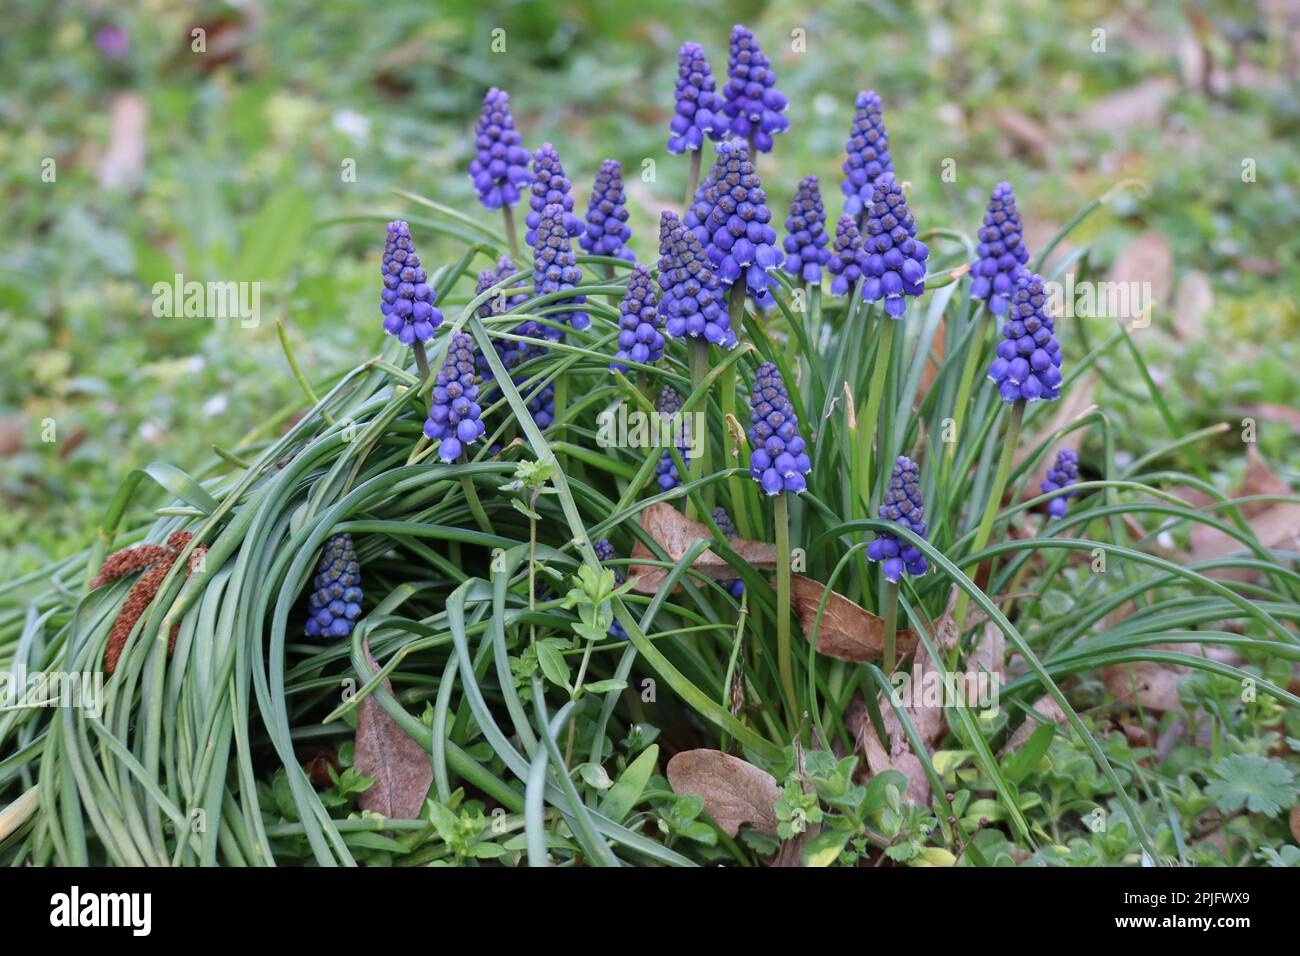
(805, 245)
(1062, 474)
(778, 459)
(1028, 363)
(554, 269)
(668, 405)
(731, 220)
(750, 98)
(335, 602)
(605, 552)
(893, 258)
(868, 155)
(407, 299)
(500, 165)
(607, 231)
(845, 263)
(550, 188)
(541, 404)
(692, 298)
(1001, 252)
(902, 505)
(639, 338)
(735, 587)
(507, 299)
(699, 108)
(454, 416)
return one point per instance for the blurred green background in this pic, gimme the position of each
(126, 156)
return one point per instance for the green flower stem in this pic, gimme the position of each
(735, 483)
(508, 215)
(561, 398)
(699, 372)
(995, 500)
(815, 312)
(785, 656)
(421, 361)
(974, 352)
(891, 626)
(693, 181)
(867, 421)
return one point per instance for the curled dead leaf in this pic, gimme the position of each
(923, 709)
(1295, 823)
(734, 791)
(848, 632)
(676, 533)
(400, 766)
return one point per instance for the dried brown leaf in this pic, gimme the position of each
(1027, 135)
(1193, 302)
(989, 652)
(928, 719)
(930, 371)
(1049, 708)
(1139, 105)
(400, 766)
(848, 632)
(1152, 684)
(1146, 258)
(734, 791)
(676, 533)
(1276, 525)
(123, 162)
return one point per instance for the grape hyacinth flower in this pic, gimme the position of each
(750, 98)
(605, 552)
(868, 155)
(407, 299)
(550, 188)
(335, 602)
(893, 258)
(778, 460)
(542, 405)
(735, 231)
(698, 110)
(607, 231)
(500, 165)
(511, 297)
(723, 520)
(554, 269)
(1028, 363)
(902, 505)
(1061, 475)
(692, 298)
(805, 245)
(845, 264)
(1001, 252)
(639, 338)
(454, 415)
(668, 405)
